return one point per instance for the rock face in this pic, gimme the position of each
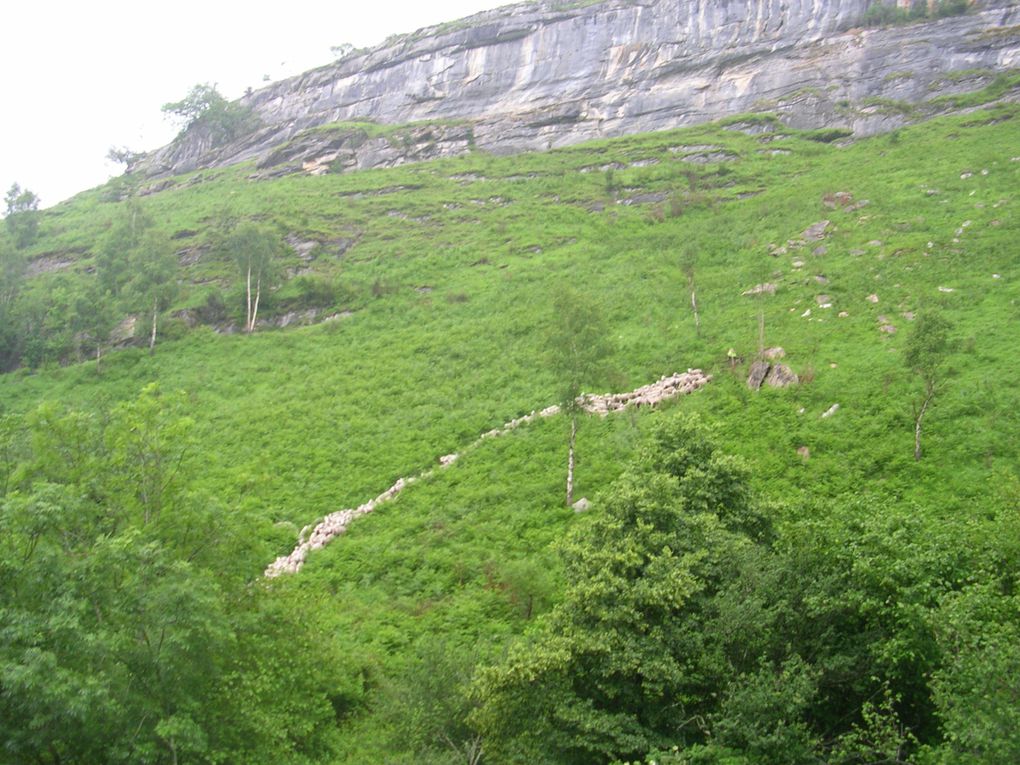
(544, 74)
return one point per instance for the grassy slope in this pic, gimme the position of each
(297, 423)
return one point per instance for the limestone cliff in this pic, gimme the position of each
(545, 74)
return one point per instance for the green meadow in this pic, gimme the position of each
(433, 286)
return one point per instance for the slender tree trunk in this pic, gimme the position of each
(255, 312)
(694, 307)
(99, 355)
(570, 460)
(761, 330)
(918, 417)
(247, 316)
(155, 315)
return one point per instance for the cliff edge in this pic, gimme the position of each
(535, 76)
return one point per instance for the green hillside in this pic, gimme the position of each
(876, 614)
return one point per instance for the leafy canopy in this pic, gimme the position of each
(205, 109)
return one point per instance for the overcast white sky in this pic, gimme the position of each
(80, 76)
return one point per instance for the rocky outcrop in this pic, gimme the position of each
(544, 74)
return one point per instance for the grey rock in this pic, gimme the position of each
(582, 505)
(759, 370)
(768, 288)
(50, 262)
(541, 75)
(780, 376)
(815, 231)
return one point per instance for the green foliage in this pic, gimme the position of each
(763, 715)
(207, 112)
(153, 285)
(578, 345)
(128, 634)
(881, 14)
(21, 215)
(852, 575)
(976, 689)
(256, 251)
(927, 347)
(618, 668)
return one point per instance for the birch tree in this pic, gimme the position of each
(578, 345)
(153, 282)
(255, 250)
(926, 351)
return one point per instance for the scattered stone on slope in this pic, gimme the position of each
(774, 353)
(768, 288)
(781, 376)
(805, 453)
(756, 376)
(872, 298)
(709, 158)
(302, 248)
(815, 232)
(838, 199)
(830, 411)
(651, 197)
(700, 148)
(582, 505)
(824, 301)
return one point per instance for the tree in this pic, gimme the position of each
(578, 344)
(119, 247)
(620, 666)
(122, 155)
(131, 629)
(153, 282)
(925, 355)
(22, 215)
(206, 111)
(96, 317)
(12, 275)
(688, 263)
(255, 250)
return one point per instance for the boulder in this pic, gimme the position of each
(815, 232)
(780, 376)
(759, 370)
(768, 288)
(582, 505)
